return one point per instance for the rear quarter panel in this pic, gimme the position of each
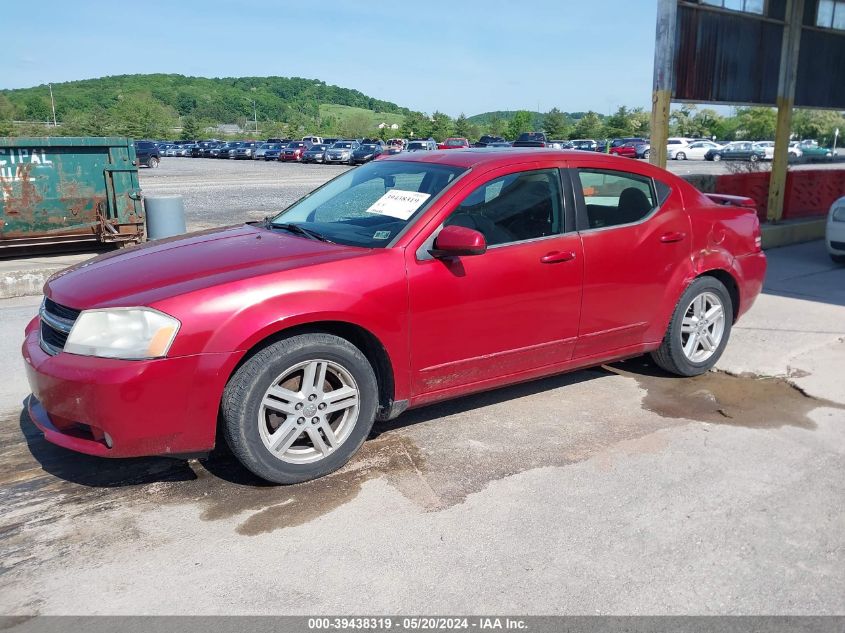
(724, 239)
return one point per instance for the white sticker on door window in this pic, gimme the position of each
(398, 203)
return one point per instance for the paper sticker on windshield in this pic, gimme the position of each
(381, 235)
(399, 204)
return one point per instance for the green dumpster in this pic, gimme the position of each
(66, 189)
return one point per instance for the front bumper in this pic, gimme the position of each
(117, 408)
(835, 237)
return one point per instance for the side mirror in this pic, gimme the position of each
(454, 241)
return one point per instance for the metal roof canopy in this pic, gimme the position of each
(733, 57)
(708, 54)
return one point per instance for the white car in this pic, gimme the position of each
(835, 231)
(769, 147)
(693, 151)
(795, 150)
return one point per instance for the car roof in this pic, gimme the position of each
(486, 156)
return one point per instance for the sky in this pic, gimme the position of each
(455, 56)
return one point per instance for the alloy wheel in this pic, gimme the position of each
(309, 411)
(703, 327)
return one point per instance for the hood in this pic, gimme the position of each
(158, 270)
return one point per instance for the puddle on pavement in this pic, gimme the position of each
(41, 482)
(273, 507)
(721, 398)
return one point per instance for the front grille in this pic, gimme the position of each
(56, 323)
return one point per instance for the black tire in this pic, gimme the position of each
(646, 154)
(670, 355)
(680, 156)
(753, 158)
(246, 388)
(717, 157)
(152, 162)
(837, 259)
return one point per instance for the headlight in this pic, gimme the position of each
(126, 333)
(839, 214)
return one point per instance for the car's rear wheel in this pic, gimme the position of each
(753, 158)
(680, 156)
(699, 329)
(300, 408)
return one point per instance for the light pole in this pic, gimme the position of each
(52, 104)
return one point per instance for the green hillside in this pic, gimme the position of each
(124, 102)
(343, 113)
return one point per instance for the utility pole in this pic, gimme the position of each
(786, 97)
(664, 67)
(52, 104)
(255, 116)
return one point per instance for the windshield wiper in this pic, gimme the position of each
(299, 230)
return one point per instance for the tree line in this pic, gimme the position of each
(152, 106)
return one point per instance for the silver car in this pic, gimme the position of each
(341, 152)
(258, 154)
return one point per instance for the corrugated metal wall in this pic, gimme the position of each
(733, 58)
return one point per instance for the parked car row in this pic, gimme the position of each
(315, 149)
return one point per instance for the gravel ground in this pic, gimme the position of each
(220, 192)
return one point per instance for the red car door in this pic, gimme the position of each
(635, 236)
(475, 320)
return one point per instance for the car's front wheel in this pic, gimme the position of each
(699, 329)
(646, 154)
(300, 408)
(680, 156)
(717, 157)
(152, 162)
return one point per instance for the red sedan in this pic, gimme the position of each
(454, 142)
(628, 150)
(409, 280)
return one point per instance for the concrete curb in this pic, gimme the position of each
(793, 232)
(26, 277)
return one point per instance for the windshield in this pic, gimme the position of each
(370, 205)
(416, 146)
(367, 148)
(317, 148)
(342, 146)
(454, 143)
(296, 144)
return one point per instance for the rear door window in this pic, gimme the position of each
(613, 198)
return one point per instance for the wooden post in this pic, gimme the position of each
(786, 97)
(664, 70)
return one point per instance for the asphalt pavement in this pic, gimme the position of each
(616, 490)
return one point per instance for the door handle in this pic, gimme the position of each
(557, 256)
(674, 236)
